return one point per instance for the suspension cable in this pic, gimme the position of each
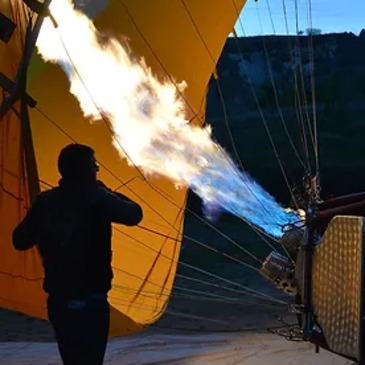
(263, 116)
(312, 74)
(196, 241)
(224, 107)
(256, 229)
(189, 238)
(297, 99)
(251, 292)
(301, 73)
(248, 291)
(101, 113)
(200, 281)
(244, 289)
(269, 132)
(127, 155)
(198, 295)
(171, 201)
(192, 267)
(124, 303)
(275, 90)
(264, 120)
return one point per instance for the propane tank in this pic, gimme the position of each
(281, 271)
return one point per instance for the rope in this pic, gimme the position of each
(246, 290)
(192, 267)
(137, 168)
(224, 108)
(263, 119)
(125, 303)
(222, 287)
(191, 239)
(159, 192)
(314, 107)
(201, 244)
(268, 129)
(90, 96)
(199, 295)
(301, 73)
(256, 229)
(297, 101)
(275, 90)
(251, 292)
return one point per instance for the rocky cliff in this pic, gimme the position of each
(270, 80)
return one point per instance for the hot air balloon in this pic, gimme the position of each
(39, 116)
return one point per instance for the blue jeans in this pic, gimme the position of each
(81, 328)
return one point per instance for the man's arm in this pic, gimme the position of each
(120, 208)
(25, 235)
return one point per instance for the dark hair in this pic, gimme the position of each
(74, 160)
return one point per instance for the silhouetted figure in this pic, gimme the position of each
(71, 224)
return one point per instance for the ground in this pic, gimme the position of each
(213, 333)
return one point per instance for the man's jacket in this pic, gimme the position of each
(71, 224)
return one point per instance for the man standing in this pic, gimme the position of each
(71, 224)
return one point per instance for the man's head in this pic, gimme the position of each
(77, 161)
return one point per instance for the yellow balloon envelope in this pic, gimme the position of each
(179, 39)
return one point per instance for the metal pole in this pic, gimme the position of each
(21, 77)
(19, 92)
(308, 259)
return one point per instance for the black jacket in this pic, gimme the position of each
(72, 226)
